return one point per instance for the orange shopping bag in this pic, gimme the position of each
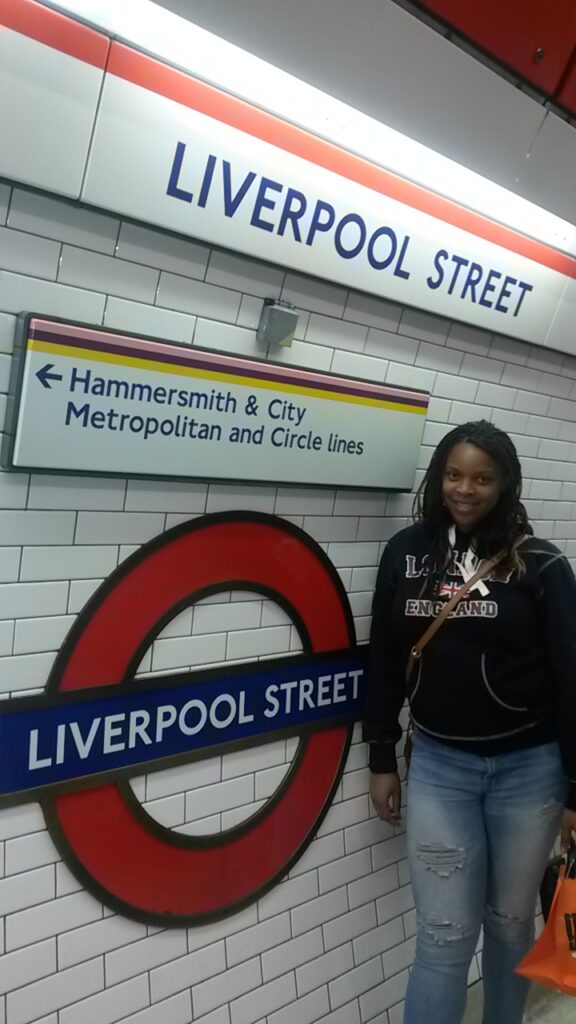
(552, 960)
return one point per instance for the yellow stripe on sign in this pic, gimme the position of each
(54, 349)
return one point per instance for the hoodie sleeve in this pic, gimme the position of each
(560, 596)
(386, 688)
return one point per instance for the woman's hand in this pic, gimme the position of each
(568, 830)
(385, 793)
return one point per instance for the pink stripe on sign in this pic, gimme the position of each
(80, 333)
(144, 348)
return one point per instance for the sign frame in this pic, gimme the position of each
(318, 764)
(15, 393)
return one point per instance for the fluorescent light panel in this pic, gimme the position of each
(185, 45)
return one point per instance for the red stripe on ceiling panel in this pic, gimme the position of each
(151, 74)
(55, 30)
(64, 34)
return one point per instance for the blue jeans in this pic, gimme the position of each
(480, 831)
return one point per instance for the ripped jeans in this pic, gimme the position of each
(480, 831)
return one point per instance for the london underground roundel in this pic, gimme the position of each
(119, 852)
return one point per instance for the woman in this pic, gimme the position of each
(493, 701)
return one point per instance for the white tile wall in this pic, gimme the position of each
(65, 988)
(85, 269)
(188, 972)
(51, 217)
(332, 942)
(28, 254)
(139, 244)
(92, 940)
(124, 315)
(20, 292)
(176, 292)
(315, 296)
(334, 333)
(4, 201)
(231, 270)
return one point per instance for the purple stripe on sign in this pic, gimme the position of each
(150, 351)
(59, 332)
(62, 334)
(285, 374)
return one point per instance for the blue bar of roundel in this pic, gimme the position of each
(18, 755)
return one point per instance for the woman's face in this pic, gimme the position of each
(471, 485)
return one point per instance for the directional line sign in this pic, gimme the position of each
(88, 400)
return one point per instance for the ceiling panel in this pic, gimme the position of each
(535, 38)
(383, 61)
(549, 175)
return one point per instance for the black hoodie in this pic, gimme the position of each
(499, 675)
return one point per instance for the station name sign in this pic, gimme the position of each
(89, 400)
(98, 723)
(228, 173)
(48, 743)
(157, 144)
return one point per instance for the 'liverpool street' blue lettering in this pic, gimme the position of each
(276, 208)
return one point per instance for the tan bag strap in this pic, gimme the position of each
(484, 570)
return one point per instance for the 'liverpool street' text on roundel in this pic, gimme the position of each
(120, 853)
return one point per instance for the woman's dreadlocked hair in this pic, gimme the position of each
(502, 527)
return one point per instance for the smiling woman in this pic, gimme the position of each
(493, 703)
(471, 486)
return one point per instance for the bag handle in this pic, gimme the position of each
(484, 570)
(570, 865)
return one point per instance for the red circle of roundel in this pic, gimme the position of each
(140, 872)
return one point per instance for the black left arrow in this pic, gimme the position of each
(44, 375)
